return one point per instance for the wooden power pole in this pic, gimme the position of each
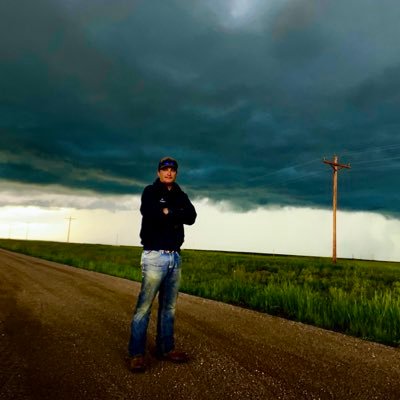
(336, 167)
(69, 227)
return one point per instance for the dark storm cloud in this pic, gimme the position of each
(248, 95)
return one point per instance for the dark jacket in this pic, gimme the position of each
(160, 231)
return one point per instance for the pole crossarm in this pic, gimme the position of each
(336, 165)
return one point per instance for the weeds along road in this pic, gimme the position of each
(64, 332)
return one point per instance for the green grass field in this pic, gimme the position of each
(359, 298)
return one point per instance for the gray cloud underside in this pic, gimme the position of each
(58, 197)
(248, 99)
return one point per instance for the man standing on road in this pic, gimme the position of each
(165, 209)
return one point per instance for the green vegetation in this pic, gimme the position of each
(360, 298)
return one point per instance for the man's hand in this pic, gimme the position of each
(165, 211)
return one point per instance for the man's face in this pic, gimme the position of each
(167, 175)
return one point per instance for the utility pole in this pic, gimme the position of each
(336, 167)
(27, 230)
(69, 227)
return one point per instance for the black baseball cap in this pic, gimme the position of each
(168, 162)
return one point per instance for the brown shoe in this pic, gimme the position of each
(137, 364)
(175, 356)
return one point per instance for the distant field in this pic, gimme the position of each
(360, 298)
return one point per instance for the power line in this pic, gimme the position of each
(379, 160)
(282, 170)
(372, 149)
(292, 174)
(306, 175)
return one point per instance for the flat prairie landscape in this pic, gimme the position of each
(64, 331)
(357, 297)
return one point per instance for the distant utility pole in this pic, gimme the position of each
(69, 227)
(27, 231)
(336, 167)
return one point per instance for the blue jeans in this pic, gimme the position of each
(161, 272)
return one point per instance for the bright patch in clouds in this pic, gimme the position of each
(297, 231)
(86, 226)
(18, 222)
(243, 14)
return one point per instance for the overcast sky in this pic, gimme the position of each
(248, 95)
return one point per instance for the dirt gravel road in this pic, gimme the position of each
(64, 332)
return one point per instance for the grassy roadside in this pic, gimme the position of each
(360, 298)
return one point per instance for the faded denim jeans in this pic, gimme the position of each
(161, 272)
